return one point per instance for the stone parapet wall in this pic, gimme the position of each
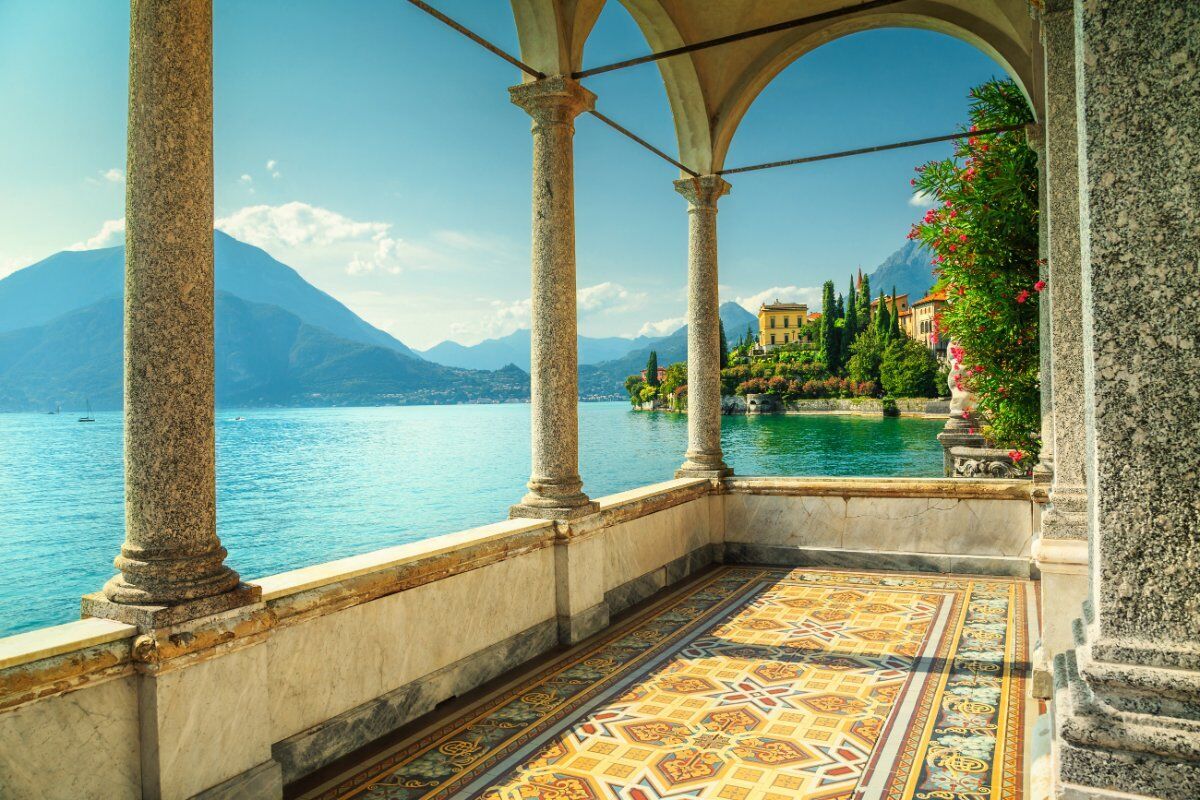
(338, 654)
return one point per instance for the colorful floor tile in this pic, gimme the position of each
(751, 684)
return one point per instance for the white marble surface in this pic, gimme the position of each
(210, 721)
(82, 745)
(34, 645)
(972, 527)
(639, 546)
(579, 574)
(324, 666)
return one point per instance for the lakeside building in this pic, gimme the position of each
(662, 374)
(921, 322)
(708, 635)
(780, 323)
(901, 303)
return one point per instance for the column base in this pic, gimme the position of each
(711, 473)
(1124, 730)
(151, 617)
(1065, 516)
(526, 510)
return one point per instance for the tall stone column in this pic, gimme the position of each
(1043, 471)
(1127, 700)
(1061, 548)
(555, 489)
(171, 556)
(703, 458)
(1065, 517)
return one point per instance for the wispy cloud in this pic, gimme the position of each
(922, 199)
(662, 327)
(368, 246)
(113, 175)
(272, 169)
(784, 294)
(503, 317)
(111, 233)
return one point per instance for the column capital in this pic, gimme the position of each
(554, 100)
(703, 191)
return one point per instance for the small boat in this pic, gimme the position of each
(239, 419)
(88, 417)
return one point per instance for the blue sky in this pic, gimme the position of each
(377, 152)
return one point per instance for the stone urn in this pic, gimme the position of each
(960, 426)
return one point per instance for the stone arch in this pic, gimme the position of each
(1003, 48)
(552, 33)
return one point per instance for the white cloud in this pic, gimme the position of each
(245, 179)
(112, 232)
(504, 317)
(271, 168)
(367, 246)
(113, 175)
(921, 199)
(784, 294)
(662, 327)
(10, 264)
(607, 298)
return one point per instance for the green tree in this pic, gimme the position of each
(830, 347)
(850, 325)
(895, 329)
(867, 353)
(724, 344)
(984, 236)
(908, 369)
(633, 385)
(652, 369)
(750, 339)
(883, 322)
(864, 303)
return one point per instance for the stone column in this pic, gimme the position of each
(1043, 471)
(555, 490)
(1061, 548)
(1065, 517)
(1127, 700)
(172, 563)
(703, 458)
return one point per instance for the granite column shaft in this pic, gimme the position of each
(703, 457)
(1065, 516)
(1127, 699)
(555, 489)
(171, 552)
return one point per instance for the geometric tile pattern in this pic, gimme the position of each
(754, 684)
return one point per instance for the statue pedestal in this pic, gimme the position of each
(957, 433)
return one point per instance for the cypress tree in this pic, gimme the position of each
(895, 333)
(864, 303)
(652, 369)
(883, 322)
(829, 331)
(850, 326)
(724, 344)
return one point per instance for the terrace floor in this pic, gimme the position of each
(750, 683)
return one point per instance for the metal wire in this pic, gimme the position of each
(874, 149)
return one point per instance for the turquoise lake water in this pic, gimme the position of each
(302, 486)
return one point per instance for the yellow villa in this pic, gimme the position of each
(779, 323)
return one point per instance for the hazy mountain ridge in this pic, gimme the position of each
(908, 269)
(515, 349)
(264, 356)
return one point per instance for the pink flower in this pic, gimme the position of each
(952, 248)
(953, 214)
(949, 204)
(912, 181)
(1015, 455)
(1037, 287)
(1022, 295)
(962, 237)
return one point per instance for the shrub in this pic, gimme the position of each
(984, 234)
(908, 369)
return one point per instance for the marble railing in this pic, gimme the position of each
(336, 655)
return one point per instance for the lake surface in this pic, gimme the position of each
(302, 486)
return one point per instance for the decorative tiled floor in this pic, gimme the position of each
(751, 684)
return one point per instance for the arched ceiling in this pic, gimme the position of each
(710, 90)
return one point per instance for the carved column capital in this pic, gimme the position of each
(703, 191)
(556, 100)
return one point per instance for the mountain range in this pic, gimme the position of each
(279, 340)
(282, 341)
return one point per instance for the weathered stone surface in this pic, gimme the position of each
(555, 489)
(326, 741)
(1066, 515)
(1128, 698)
(1043, 471)
(171, 552)
(703, 458)
(986, 462)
